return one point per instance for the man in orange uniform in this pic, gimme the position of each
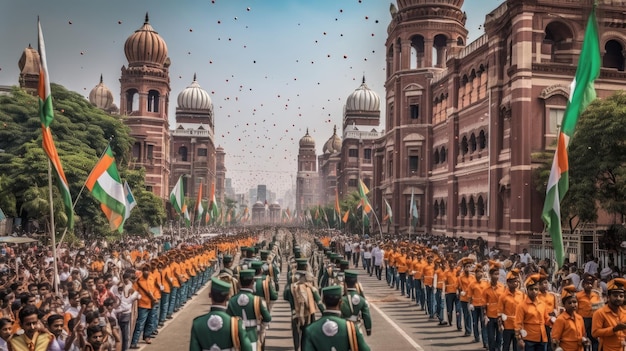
(587, 299)
(568, 331)
(429, 275)
(531, 317)
(507, 305)
(465, 280)
(441, 279)
(452, 288)
(492, 295)
(549, 299)
(477, 305)
(143, 285)
(609, 322)
(402, 268)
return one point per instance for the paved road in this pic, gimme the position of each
(398, 324)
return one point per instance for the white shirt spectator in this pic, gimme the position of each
(525, 257)
(591, 267)
(377, 255)
(348, 247)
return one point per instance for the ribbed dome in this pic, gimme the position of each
(101, 96)
(29, 62)
(402, 4)
(307, 141)
(145, 46)
(333, 145)
(194, 97)
(363, 99)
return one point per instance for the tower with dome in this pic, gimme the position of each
(307, 180)
(102, 97)
(327, 164)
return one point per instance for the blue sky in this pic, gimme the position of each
(273, 68)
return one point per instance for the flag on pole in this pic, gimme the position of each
(337, 207)
(582, 93)
(345, 216)
(363, 191)
(106, 186)
(46, 115)
(414, 214)
(213, 204)
(130, 200)
(389, 214)
(199, 207)
(177, 197)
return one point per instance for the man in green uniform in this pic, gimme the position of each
(331, 331)
(217, 330)
(270, 267)
(250, 308)
(263, 286)
(354, 307)
(303, 299)
(226, 274)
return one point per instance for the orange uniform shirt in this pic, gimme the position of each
(585, 302)
(418, 267)
(429, 274)
(400, 261)
(465, 281)
(476, 293)
(452, 282)
(569, 330)
(492, 296)
(532, 316)
(549, 299)
(602, 325)
(441, 278)
(507, 306)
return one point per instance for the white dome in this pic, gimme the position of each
(194, 98)
(101, 96)
(363, 99)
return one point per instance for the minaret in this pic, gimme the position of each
(307, 177)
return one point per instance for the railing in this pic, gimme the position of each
(473, 46)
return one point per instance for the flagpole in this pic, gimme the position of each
(55, 281)
(377, 221)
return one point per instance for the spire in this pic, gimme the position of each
(194, 77)
(307, 131)
(100, 78)
(363, 78)
(335, 130)
(147, 19)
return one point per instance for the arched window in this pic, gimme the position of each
(442, 208)
(614, 55)
(472, 143)
(436, 209)
(182, 151)
(464, 146)
(436, 157)
(132, 100)
(558, 42)
(417, 52)
(460, 41)
(480, 205)
(482, 140)
(390, 61)
(472, 207)
(463, 208)
(440, 43)
(153, 101)
(443, 154)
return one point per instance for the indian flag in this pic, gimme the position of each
(363, 191)
(389, 214)
(199, 207)
(106, 186)
(177, 197)
(213, 204)
(582, 93)
(46, 114)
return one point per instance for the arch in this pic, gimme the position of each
(464, 80)
(472, 75)
(463, 207)
(471, 207)
(413, 137)
(440, 43)
(132, 100)
(436, 157)
(558, 41)
(436, 209)
(464, 145)
(390, 60)
(153, 101)
(556, 89)
(182, 152)
(472, 143)
(460, 41)
(614, 55)
(480, 206)
(482, 140)
(442, 208)
(417, 51)
(443, 154)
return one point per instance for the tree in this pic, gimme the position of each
(597, 163)
(81, 133)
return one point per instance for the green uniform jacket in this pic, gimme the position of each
(202, 337)
(330, 331)
(258, 288)
(288, 296)
(355, 306)
(235, 308)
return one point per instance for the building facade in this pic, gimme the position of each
(307, 179)
(463, 121)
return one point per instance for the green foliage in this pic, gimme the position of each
(81, 133)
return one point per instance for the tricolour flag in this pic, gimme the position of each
(177, 197)
(213, 204)
(582, 93)
(199, 207)
(389, 214)
(130, 200)
(106, 186)
(46, 114)
(346, 216)
(363, 191)
(414, 213)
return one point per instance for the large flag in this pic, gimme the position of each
(106, 186)
(337, 207)
(177, 197)
(389, 214)
(130, 200)
(414, 214)
(199, 207)
(582, 93)
(46, 114)
(213, 204)
(363, 191)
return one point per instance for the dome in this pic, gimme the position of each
(101, 96)
(403, 4)
(29, 62)
(363, 99)
(333, 145)
(146, 46)
(307, 141)
(194, 97)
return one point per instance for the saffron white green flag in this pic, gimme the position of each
(105, 185)
(130, 200)
(177, 197)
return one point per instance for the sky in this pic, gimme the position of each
(273, 68)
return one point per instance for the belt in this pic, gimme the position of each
(250, 323)
(354, 319)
